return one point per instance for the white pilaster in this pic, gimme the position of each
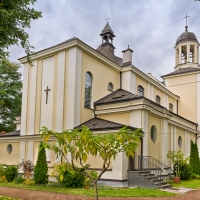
(179, 56)
(165, 140)
(60, 91)
(47, 80)
(172, 138)
(32, 99)
(24, 99)
(195, 54)
(74, 87)
(152, 93)
(188, 52)
(149, 91)
(186, 144)
(22, 151)
(175, 140)
(175, 107)
(30, 150)
(198, 101)
(146, 132)
(129, 82)
(48, 154)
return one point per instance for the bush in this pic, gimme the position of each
(73, 180)
(27, 168)
(194, 159)
(41, 168)
(2, 179)
(19, 179)
(70, 179)
(11, 172)
(184, 171)
(2, 170)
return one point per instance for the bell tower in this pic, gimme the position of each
(107, 36)
(186, 50)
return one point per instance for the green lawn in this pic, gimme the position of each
(195, 184)
(103, 192)
(6, 198)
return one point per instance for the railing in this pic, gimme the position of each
(148, 163)
(165, 169)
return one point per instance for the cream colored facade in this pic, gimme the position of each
(62, 70)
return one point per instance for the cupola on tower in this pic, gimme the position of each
(186, 50)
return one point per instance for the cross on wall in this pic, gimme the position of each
(47, 92)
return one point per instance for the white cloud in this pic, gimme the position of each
(149, 27)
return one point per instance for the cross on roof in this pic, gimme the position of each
(186, 18)
(107, 19)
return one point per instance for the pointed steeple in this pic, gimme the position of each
(107, 29)
(107, 34)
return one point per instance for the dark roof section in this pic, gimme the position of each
(10, 134)
(107, 29)
(117, 96)
(186, 36)
(108, 54)
(95, 124)
(182, 71)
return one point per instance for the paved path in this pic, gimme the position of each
(37, 195)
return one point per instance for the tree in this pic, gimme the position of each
(10, 94)
(194, 158)
(81, 143)
(41, 168)
(15, 16)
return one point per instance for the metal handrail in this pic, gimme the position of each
(152, 158)
(148, 163)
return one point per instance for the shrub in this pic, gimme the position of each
(184, 170)
(69, 179)
(2, 179)
(194, 158)
(41, 168)
(19, 179)
(2, 170)
(73, 180)
(27, 167)
(11, 172)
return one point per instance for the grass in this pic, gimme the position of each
(194, 184)
(103, 191)
(6, 198)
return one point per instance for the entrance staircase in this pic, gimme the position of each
(147, 172)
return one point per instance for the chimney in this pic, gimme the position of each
(127, 56)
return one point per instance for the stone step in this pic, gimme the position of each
(160, 183)
(147, 174)
(165, 186)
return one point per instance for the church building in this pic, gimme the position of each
(72, 84)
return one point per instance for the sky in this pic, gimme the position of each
(149, 27)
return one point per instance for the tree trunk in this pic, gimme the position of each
(96, 192)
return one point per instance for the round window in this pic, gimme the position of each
(180, 142)
(9, 148)
(153, 134)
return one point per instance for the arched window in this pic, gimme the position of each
(180, 142)
(110, 87)
(140, 90)
(153, 134)
(157, 99)
(171, 107)
(88, 90)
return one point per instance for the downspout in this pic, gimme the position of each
(120, 77)
(177, 107)
(94, 111)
